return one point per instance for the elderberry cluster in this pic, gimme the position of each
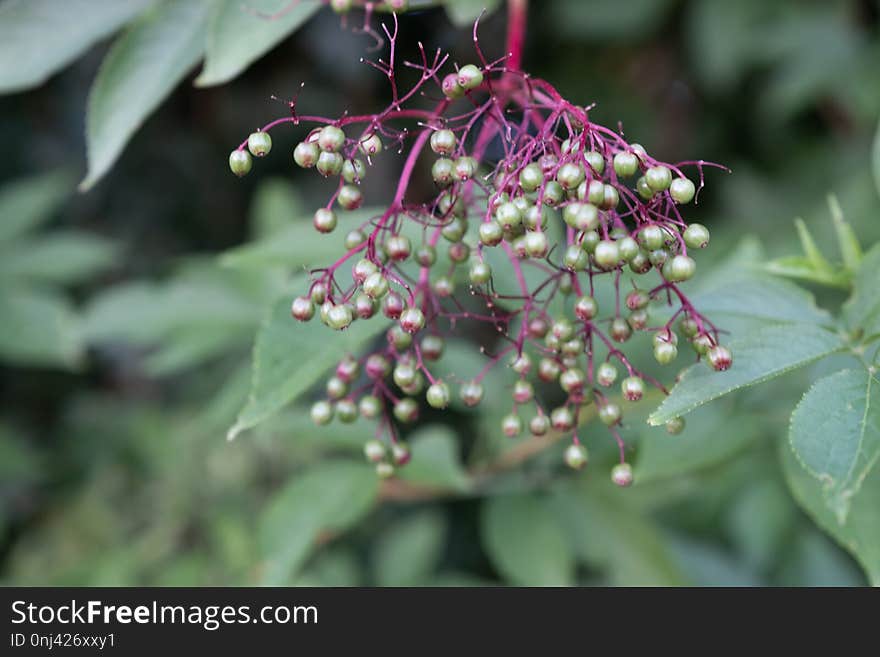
(567, 205)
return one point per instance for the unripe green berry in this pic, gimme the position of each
(675, 426)
(586, 308)
(426, 255)
(331, 138)
(322, 412)
(632, 388)
(688, 327)
(531, 177)
(443, 142)
(610, 197)
(480, 273)
(306, 154)
(346, 411)
(596, 161)
(581, 216)
(553, 194)
(471, 393)
(562, 419)
(576, 456)
(432, 347)
(638, 319)
(659, 178)
(399, 339)
(665, 353)
(404, 374)
(637, 299)
(606, 374)
(682, 190)
(511, 425)
(412, 320)
(336, 388)
(596, 192)
(443, 171)
(589, 241)
(469, 77)
(443, 287)
(719, 358)
(350, 197)
(575, 259)
(679, 268)
(491, 233)
(406, 410)
(370, 145)
(438, 395)
(329, 164)
(539, 425)
(324, 220)
(696, 236)
(644, 189)
(302, 309)
(454, 230)
(523, 391)
(339, 317)
(384, 470)
(375, 285)
(537, 244)
(375, 451)
(610, 413)
(398, 247)
(572, 380)
(459, 252)
(370, 407)
(240, 162)
(640, 263)
(353, 171)
(620, 330)
(622, 474)
(465, 168)
(626, 164)
(259, 143)
(607, 254)
(570, 175)
(451, 88)
(354, 239)
(400, 453)
(548, 370)
(651, 237)
(562, 329)
(521, 363)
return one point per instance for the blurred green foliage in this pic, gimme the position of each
(130, 313)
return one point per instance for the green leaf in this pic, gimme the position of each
(240, 33)
(757, 357)
(140, 70)
(296, 245)
(711, 436)
(875, 159)
(276, 204)
(408, 551)
(800, 268)
(39, 328)
(27, 202)
(463, 13)
(60, 257)
(610, 534)
(333, 497)
(40, 37)
(435, 461)
(525, 542)
(814, 255)
(290, 357)
(862, 310)
(846, 237)
(860, 532)
(835, 434)
(761, 298)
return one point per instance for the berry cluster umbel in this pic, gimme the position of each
(619, 210)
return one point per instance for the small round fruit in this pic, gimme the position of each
(443, 142)
(658, 178)
(523, 391)
(322, 412)
(622, 474)
(531, 177)
(539, 425)
(443, 172)
(438, 395)
(572, 380)
(469, 77)
(400, 453)
(696, 236)
(353, 171)
(354, 239)
(682, 190)
(350, 197)
(680, 268)
(675, 426)
(374, 450)
(511, 425)
(432, 347)
(306, 154)
(607, 254)
(665, 352)
(719, 358)
(329, 164)
(346, 411)
(626, 164)
(570, 175)
(384, 470)
(610, 414)
(412, 320)
(561, 418)
(370, 145)
(406, 410)
(240, 162)
(376, 286)
(339, 317)
(491, 233)
(576, 456)
(606, 374)
(651, 237)
(537, 244)
(451, 88)
(302, 308)
(620, 330)
(637, 299)
(377, 366)
(632, 388)
(370, 407)
(480, 273)
(259, 143)
(471, 393)
(331, 138)
(324, 220)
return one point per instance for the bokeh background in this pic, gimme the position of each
(128, 314)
